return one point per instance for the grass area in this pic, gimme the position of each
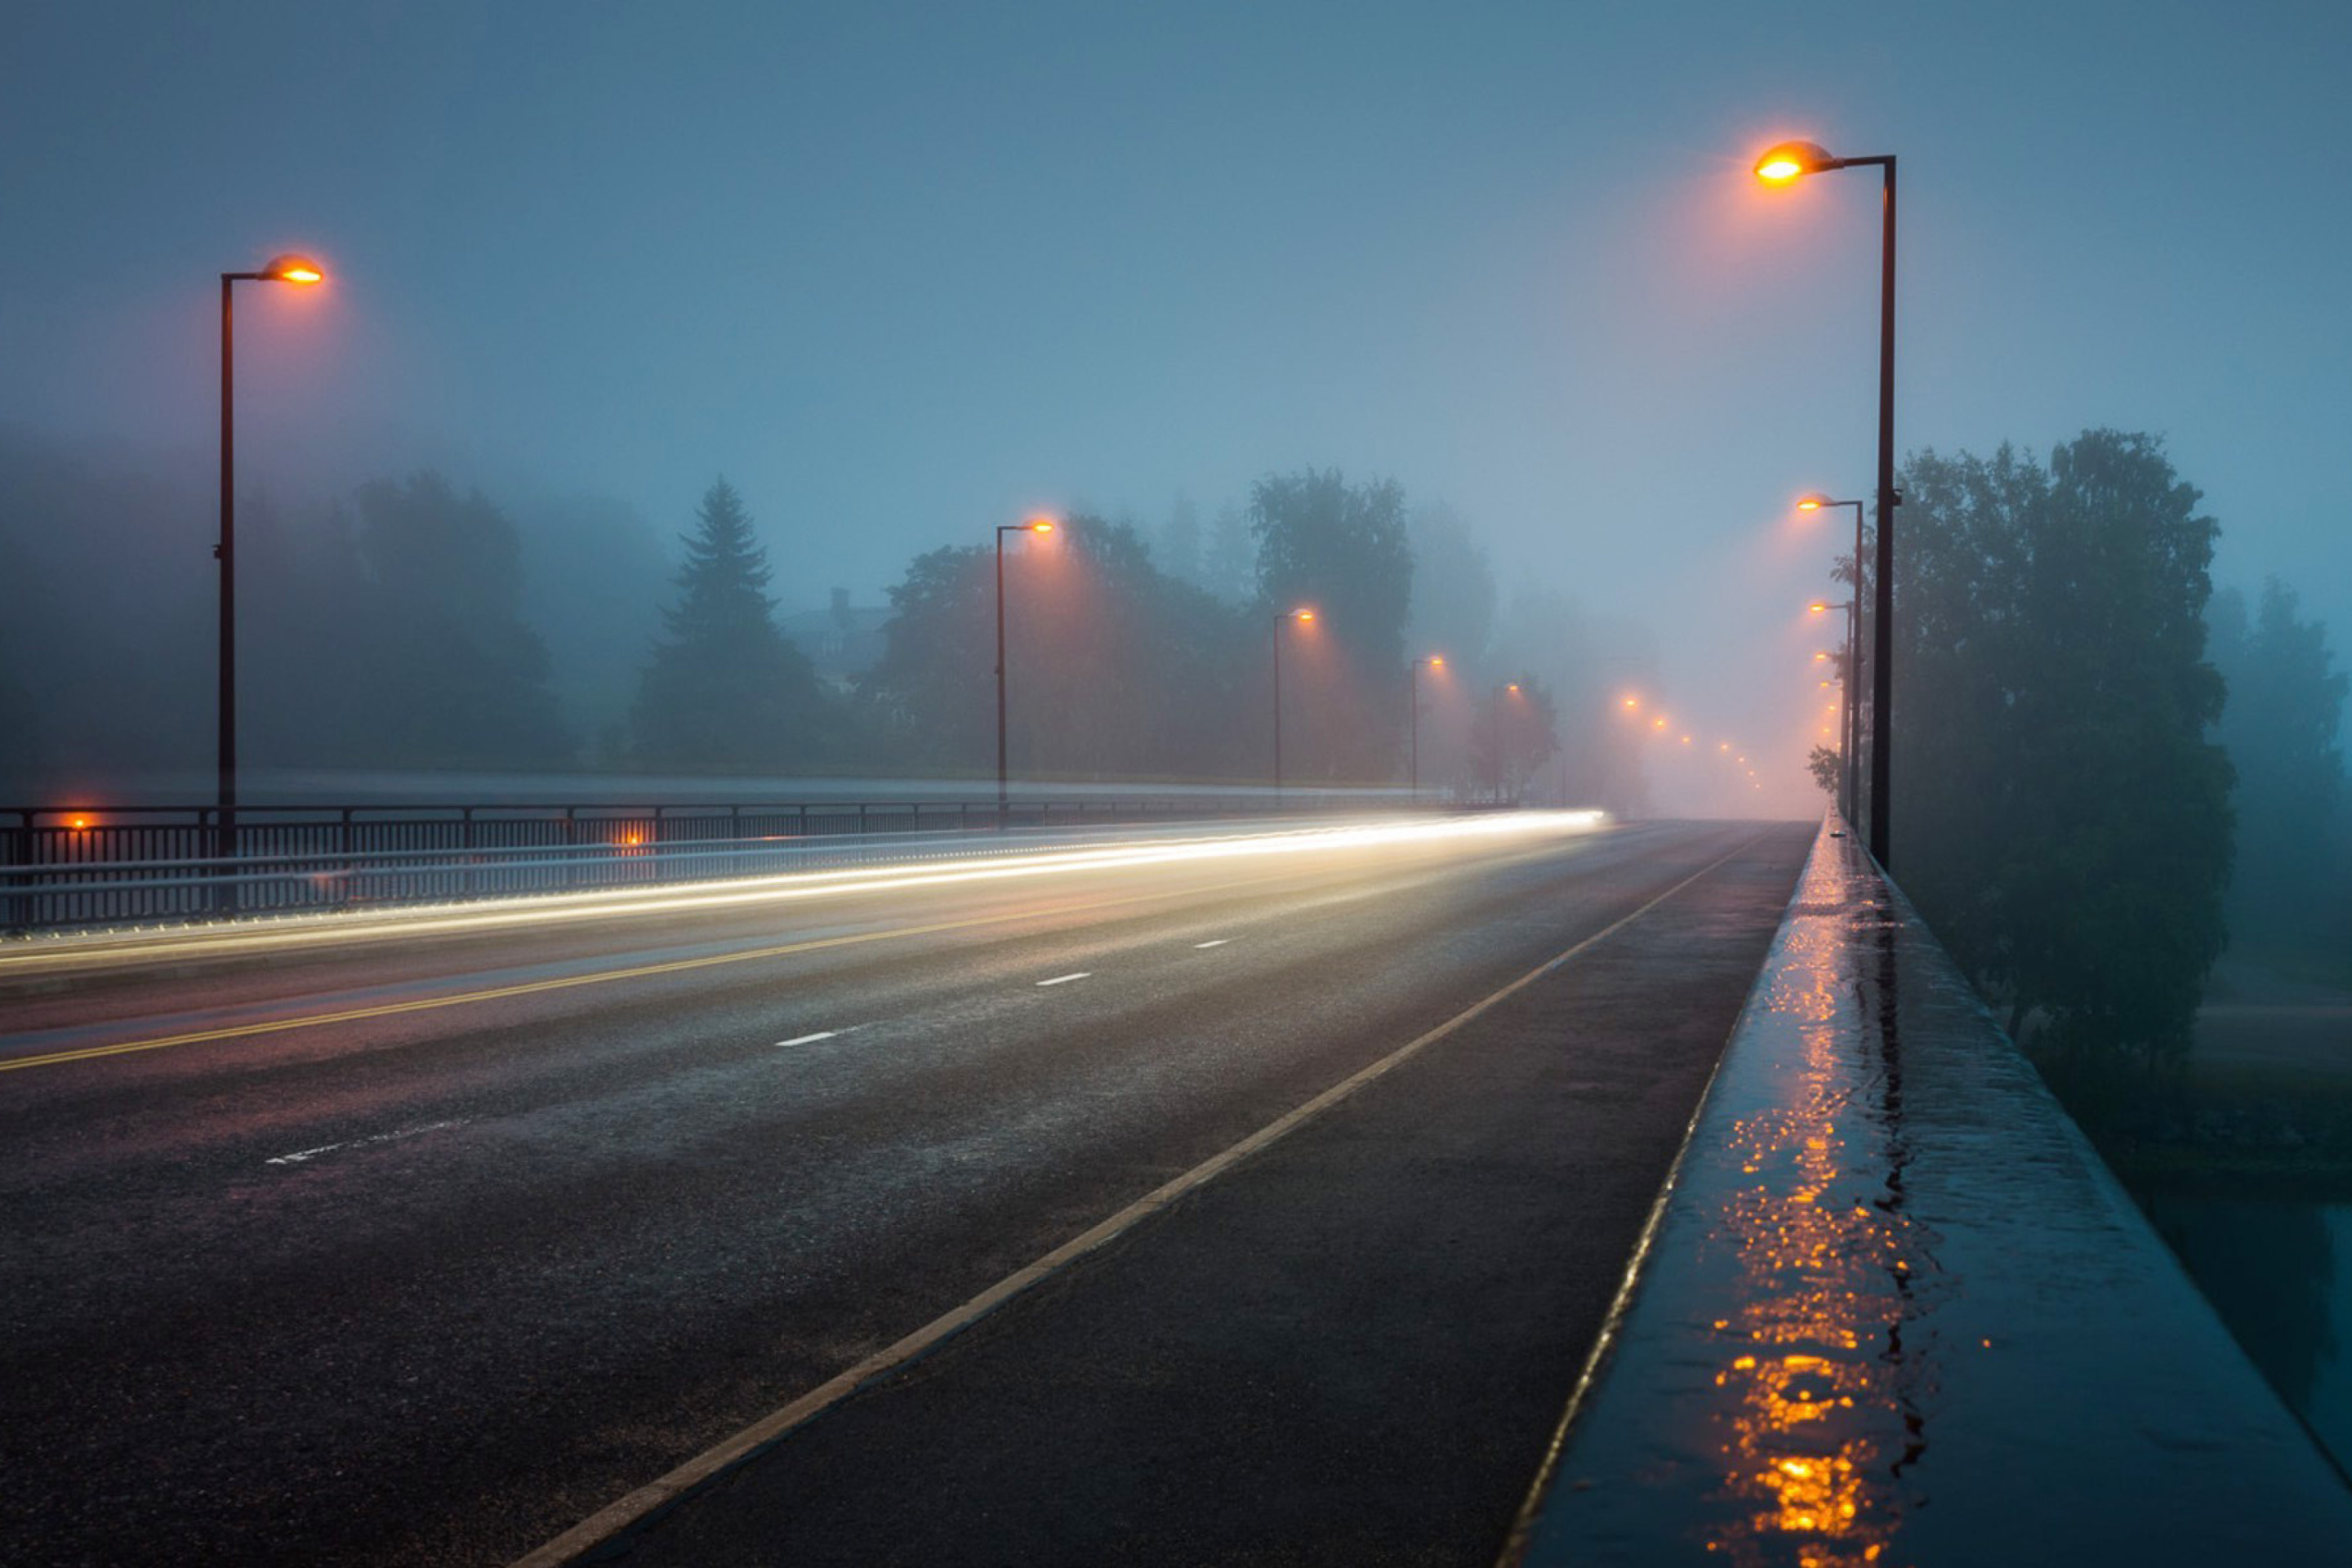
(2236, 1129)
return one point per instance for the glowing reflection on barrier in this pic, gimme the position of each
(1824, 1401)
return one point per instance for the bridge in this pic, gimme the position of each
(1360, 1188)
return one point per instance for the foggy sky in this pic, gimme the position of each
(901, 273)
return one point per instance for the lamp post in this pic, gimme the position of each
(1303, 616)
(1034, 525)
(302, 271)
(1850, 730)
(1434, 661)
(1510, 689)
(1782, 165)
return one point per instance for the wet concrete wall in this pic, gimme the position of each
(1895, 1310)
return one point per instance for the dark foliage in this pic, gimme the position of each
(724, 691)
(2060, 816)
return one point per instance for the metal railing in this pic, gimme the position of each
(62, 868)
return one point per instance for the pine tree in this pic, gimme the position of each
(725, 691)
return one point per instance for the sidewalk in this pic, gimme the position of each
(1897, 1312)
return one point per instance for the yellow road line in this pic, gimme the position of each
(636, 972)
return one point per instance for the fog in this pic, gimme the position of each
(902, 275)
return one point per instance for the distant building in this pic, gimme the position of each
(843, 640)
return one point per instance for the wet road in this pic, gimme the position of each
(422, 1248)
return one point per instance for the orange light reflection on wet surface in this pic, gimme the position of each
(1823, 1397)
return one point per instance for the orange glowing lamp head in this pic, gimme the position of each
(1632, 704)
(1821, 659)
(1659, 723)
(1819, 607)
(1513, 689)
(294, 269)
(78, 823)
(1785, 163)
(1040, 524)
(1303, 616)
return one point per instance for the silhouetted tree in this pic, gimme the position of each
(726, 691)
(1178, 552)
(2285, 704)
(447, 674)
(1827, 769)
(595, 577)
(1115, 667)
(1585, 665)
(1453, 594)
(1229, 564)
(1512, 735)
(2060, 816)
(1343, 550)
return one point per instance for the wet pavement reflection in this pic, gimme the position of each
(1826, 1406)
(1896, 1311)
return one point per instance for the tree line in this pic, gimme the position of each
(416, 625)
(2105, 771)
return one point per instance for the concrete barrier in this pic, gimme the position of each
(1894, 1309)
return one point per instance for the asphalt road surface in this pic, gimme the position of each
(423, 1241)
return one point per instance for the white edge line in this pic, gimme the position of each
(618, 1515)
(809, 1039)
(1066, 979)
(1219, 943)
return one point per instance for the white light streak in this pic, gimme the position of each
(549, 908)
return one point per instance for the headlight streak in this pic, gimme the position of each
(332, 928)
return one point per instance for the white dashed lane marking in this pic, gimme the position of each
(301, 1156)
(1066, 979)
(1219, 943)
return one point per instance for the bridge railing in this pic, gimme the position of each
(62, 868)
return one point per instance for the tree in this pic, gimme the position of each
(726, 691)
(1513, 732)
(2285, 704)
(1585, 665)
(447, 673)
(1178, 553)
(1229, 568)
(2061, 819)
(1453, 594)
(1827, 768)
(1343, 550)
(1114, 669)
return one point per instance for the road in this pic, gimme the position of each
(421, 1240)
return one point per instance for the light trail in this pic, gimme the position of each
(540, 910)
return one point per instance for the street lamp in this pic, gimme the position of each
(1783, 165)
(302, 271)
(1434, 661)
(1853, 708)
(1303, 616)
(1035, 525)
(1850, 732)
(1509, 688)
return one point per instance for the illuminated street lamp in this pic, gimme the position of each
(1304, 616)
(1509, 688)
(1434, 661)
(1783, 165)
(1850, 732)
(302, 271)
(1035, 525)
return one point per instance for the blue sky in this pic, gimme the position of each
(902, 272)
